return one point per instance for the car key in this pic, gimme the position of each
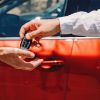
(25, 43)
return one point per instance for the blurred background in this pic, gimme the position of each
(14, 13)
(34, 6)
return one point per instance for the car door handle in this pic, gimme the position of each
(51, 65)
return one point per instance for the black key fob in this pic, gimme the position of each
(25, 43)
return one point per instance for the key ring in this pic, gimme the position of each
(36, 44)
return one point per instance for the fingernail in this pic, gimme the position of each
(27, 36)
(32, 55)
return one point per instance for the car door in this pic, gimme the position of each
(74, 79)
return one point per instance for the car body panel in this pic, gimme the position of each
(77, 79)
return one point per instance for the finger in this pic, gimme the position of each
(24, 29)
(35, 41)
(17, 51)
(25, 53)
(27, 27)
(33, 34)
(29, 66)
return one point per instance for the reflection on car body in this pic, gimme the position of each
(77, 78)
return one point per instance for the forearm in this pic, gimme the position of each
(81, 23)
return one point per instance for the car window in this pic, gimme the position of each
(18, 12)
(36, 6)
(3, 1)
(80, 5)
(94, 5)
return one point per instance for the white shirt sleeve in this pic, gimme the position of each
(81, 23)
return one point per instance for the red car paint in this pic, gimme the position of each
(77, 79)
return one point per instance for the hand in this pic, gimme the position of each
(12, 56)
(40, 28)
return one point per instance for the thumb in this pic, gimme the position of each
(33, 34)
(36, 62)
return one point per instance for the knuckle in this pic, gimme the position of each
(30, 34)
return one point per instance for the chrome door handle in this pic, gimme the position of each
(51, 65)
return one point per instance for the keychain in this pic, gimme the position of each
(25, 43)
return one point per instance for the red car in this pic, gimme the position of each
(76, 78)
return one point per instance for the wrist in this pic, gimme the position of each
(57, 22)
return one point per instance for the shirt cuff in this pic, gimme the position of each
(66, 25)
(67, 22)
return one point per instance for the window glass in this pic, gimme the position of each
(24, 11)
(35, 6)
